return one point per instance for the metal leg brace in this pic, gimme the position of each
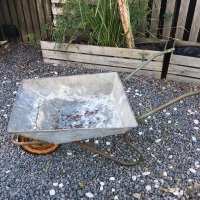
(125, 136)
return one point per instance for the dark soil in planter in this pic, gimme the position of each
(192, 51)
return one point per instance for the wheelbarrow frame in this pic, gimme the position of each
(125, 135)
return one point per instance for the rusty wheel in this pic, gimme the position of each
(40, 149)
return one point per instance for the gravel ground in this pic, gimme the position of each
(169, 141)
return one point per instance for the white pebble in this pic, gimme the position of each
(102, 183)
(192, 170)
(164, 110)
(69, 153)
(181, 101)
(181, 193)
(194, 139)
(137, 94)
(134, 178)
(175, 109)
(196, 128)
(171, 167)
(136, 90)
(151, 128)
(197, 149)
(152, 155)
(8, 171)
(107, 143)
(140, 104)
(190, 180)
(196, 163)
(167, 113)
(196, 121)
(112, 178)
(148, 187)
(137, 195)
(116, 198)
(55, 184)
(148, 148)
(15, 92)
(101, 187)
(158, 140)
(56, 73)
(140, 133)
(189, 111)
(5, 116)
(52, 192)
(149, 117)
(146, 173)
(89, 194)
(164, 173)
(156, 186)
(87, 140)
(169, 121)
(163, 88)
(60, 185)
(176, 193)
(113, 189)
(96, 141)
(170, 157)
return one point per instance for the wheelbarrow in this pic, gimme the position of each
(50, 111)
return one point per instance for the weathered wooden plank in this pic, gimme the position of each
(58, 1)
(183, 79)
(184, 71)
(168, 19)
(35, 20)
(101, 60)
(64, 1)
(182, 19)
(21, 19)
(14, 18)
(103, 67)
(41, 14)
(185, 61)
(6, 12)
(47, 10)
(27, 16)
(155, 18)
(142, 25)
(195, 28)
(106, 51)
(57, 11)
(2, 20)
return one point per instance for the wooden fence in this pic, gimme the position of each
(27, 15)
(169, 18)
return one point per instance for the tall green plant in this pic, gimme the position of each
(98, 23)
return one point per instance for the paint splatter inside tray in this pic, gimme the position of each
(88, 114)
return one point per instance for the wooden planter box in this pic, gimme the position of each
(184, 69)
(106, 58)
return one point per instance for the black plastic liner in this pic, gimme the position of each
(193, 51)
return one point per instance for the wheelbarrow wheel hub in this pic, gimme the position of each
(39, 149)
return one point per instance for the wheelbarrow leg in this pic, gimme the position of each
(125, 136)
